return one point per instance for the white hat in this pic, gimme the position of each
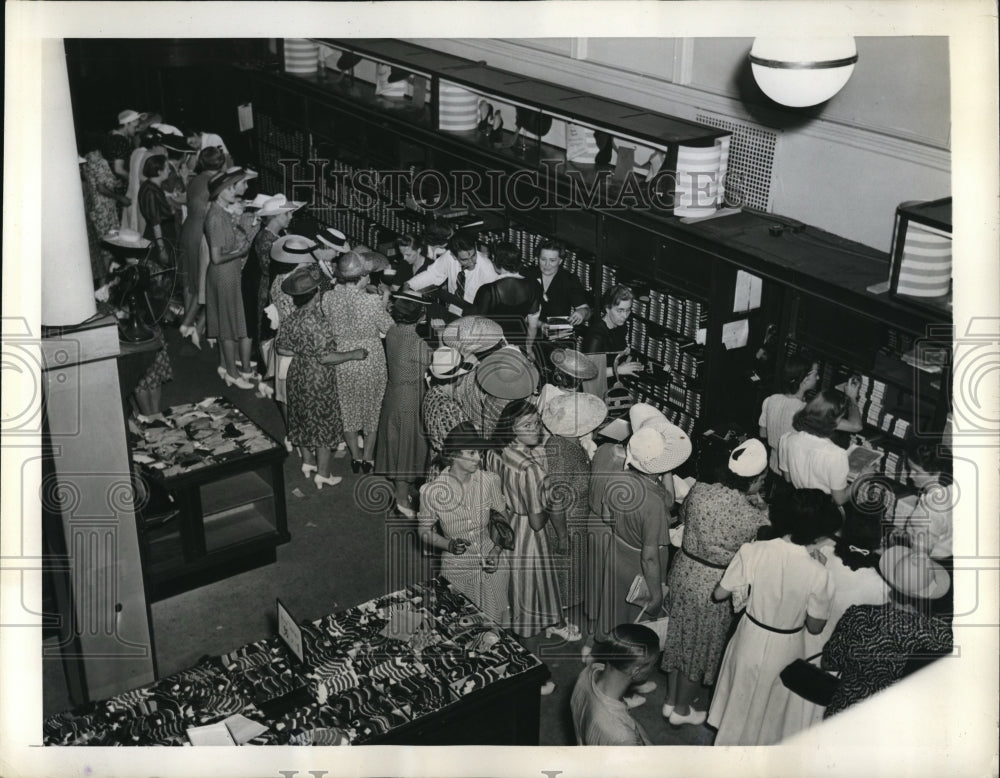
(128, 115)
(293, 250)
(447, 362)
(658, 449)
(167, 129)
(334, 239)
(748, 459)
(574, 414)
(913, 573)
(278, 204)
(643, 415)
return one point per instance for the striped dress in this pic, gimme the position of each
(463, 511)
(534, 586)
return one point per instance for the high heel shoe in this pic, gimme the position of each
(366, 466)
(288, 446)
(308, 470)
(192, 333)
(695, 717)
(568, 632)
(239, 383)
(356, 465)
(222, 372)
(252, 377)
(332, 480)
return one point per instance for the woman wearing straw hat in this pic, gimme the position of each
(440, 412)
(358, 319)
(118, 144)
(718, 519)
(194, 259)
(275, 213)
(459, 501)
(874, 646)
(230, 232)
(313, 408)
(402, 448)
(570, 418)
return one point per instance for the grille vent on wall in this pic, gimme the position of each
(751, 158)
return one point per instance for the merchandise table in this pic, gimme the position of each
(217, 495)
(420, 666)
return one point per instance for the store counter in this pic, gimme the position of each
(420, 666)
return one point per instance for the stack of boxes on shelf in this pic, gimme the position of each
(663, 329)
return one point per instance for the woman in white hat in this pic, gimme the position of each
(275, 214)
(440, 410)
(874, 646)
(118, 146)
(230, 232)
(193, 259)
(570, 418)
(789, 593)
(718, 518)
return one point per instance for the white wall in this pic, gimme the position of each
(844, 166)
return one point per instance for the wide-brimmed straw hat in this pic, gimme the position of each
(125, 238)
(352, 265)
(913, 573)
(574, 414)
(472, 334)
(447, 362)
(293, 250)
(507, 374)
(748, 459)
(278, 204)
(128, 115)
(657, 446)
(257, 203)
(231, 177)
(333, 238)
(574, 364)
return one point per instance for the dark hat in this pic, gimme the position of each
(507, 374)
(301, 281)
(463, 436)
(413, 297)
(229, 178)
(397, 74)
(347, 60)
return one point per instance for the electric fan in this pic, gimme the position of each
(143, 288)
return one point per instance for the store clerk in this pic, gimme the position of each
(460, 271)
(562, 292)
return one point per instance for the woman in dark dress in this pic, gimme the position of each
(313, 407)
(512, 301)
(608, 337)
(160, 215)
(193, 259)
(401, 448)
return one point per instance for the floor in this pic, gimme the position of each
(344, 549)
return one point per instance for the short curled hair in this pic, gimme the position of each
(461, 242)
(805, 515)
(618, 293)
(931, 455)
(626, 646)
(514, 411)
(153, 166)
(507, 256)
(794, 373)
(820, 415)
(406, 311)
(548, 244)
(212, 158)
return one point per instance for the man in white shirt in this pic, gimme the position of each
(462, 270)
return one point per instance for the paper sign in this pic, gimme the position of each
(243, 729)
(216, 734)
(289, 631)
(245, 114)
(735, 334)
(748, 291)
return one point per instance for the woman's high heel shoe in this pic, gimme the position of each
(288, 446)
(355, 465)
(222, 372)
(239, 383)
(568, 632)
(308, 470)
(332, 480)
(192, 333)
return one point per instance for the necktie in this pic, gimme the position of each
(460, 285)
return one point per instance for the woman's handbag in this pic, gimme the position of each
(809, 681)
(501, 533)
(659, 626)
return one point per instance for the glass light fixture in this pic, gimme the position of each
(799, 72)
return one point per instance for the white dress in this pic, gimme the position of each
(847, 587)
(785, 584)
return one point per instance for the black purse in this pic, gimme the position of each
(501, 533)
(809, 681)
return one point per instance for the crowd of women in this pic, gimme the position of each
(438, 370)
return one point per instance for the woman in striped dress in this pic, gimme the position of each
(459, 501)
(520, 461)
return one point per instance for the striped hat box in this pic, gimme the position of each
(458, 108)
(301, 55)
(925, 265)
(697, 187)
